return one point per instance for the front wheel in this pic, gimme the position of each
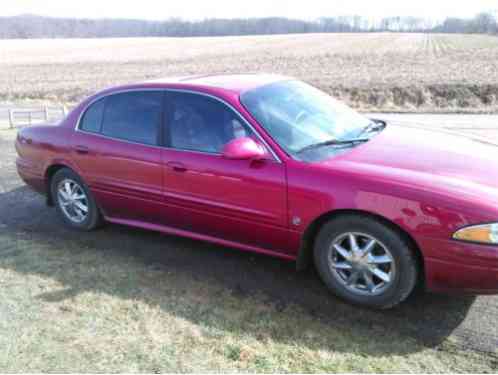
(365, 261)
(74, 201)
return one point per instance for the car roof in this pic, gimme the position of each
(237, 83)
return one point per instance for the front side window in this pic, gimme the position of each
(133, 116)
(299, 117)
(200, 123)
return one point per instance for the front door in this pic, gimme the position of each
(236, 200)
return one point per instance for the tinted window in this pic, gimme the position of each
(133, 116)
(92, 119)
(201, 123)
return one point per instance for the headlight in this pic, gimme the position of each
(485, 233)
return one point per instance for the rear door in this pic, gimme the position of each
(237, 200)
(116, 148)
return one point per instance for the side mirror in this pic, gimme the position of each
(244, 148)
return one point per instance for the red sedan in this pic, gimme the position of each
(269, 164)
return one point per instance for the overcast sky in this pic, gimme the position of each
(198, 9)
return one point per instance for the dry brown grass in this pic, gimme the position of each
(377, 71)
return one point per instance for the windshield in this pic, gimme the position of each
(299, 117)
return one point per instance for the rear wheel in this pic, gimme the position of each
(74, 201)
(365, 261)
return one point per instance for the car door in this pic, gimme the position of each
(236, 200)
(116, 149)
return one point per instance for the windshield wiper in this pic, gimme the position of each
(333, 142)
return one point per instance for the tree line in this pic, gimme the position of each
(32, 26)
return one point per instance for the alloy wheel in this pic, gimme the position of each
(361, 263)
(72, 200)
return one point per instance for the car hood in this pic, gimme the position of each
(426, 159)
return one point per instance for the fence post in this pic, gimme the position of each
(11, 119)
(64, 111)
(46, 113)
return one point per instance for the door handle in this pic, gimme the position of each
(176, 166)
(82, 149)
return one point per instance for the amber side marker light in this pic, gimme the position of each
(484, 233)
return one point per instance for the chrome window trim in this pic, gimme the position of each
(188, 91)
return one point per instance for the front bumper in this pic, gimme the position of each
(457, 267)
(449, 277)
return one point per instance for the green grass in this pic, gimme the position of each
(64, 308)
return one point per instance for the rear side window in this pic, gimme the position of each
(133, 116)
(92, 119)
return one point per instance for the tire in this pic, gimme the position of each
(88, 220)
(390, 257)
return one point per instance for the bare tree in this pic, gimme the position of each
(29, 26)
